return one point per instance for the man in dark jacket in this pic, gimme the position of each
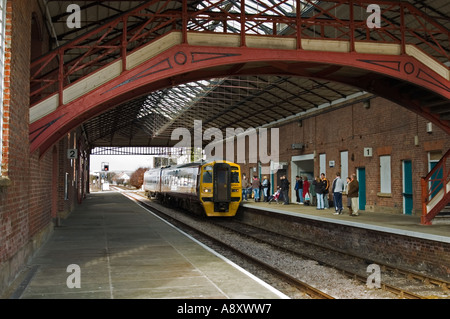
(285, 189)
(353, 193)
(299, 189)
(326, 190)
(320, 188)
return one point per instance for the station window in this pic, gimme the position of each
(385, 174)
(2, 68)
(323, 163)
(344, 164)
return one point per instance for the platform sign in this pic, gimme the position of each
(368, 152)
(72, 153)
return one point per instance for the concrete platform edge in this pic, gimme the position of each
(261, 282)
(392, 230)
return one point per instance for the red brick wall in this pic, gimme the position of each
(26, 179)
(15, 166)
(14, 222)
(40, 204)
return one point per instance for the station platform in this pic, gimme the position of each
(379, 221)
(385, 222)
(125, 252)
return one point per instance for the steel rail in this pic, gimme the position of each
(442, 283)
(387, 287)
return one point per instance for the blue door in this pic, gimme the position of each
(435, 184)
(407, 188)
(362, 187)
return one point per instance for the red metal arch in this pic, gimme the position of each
(184, 63)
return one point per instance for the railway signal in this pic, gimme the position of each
(105, 167)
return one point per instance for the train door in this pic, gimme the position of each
(222, 185)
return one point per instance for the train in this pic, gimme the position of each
(211, 188)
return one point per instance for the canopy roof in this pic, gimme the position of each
(244, 101)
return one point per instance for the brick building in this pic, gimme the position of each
(369, 136)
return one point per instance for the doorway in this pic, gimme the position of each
(407, 188)
(303, 166)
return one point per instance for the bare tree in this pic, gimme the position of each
(137, 178)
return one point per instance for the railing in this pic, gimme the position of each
(346, 20)
(436, 190)
(146, 150)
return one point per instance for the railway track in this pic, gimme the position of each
(320, 254)
(325, 256)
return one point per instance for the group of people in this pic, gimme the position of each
(315, 193)
(351, 188)
(255, 187)
(318, 193)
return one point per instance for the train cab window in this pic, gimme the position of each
(234, 176)
(207, 174)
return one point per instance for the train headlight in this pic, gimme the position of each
(207, 190)
(235, 190)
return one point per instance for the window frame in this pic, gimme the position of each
(385, 174)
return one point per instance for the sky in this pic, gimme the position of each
(118, 163)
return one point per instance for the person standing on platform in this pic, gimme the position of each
(349, 200)
(244, 187)
(319, 192)
(337, 188)
(265, 188)
(255, 186)
(312, 192)
(285, 189)
(326, 190)
(299, 189)
(353, 193)
(306, 191)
